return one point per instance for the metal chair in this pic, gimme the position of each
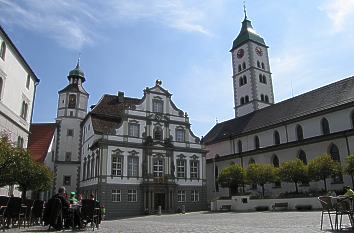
(327, 208)
(90, 212)
(14, 211)
(37, 211)
(343, 207)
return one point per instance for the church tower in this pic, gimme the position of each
(252, 79)
(72, 109)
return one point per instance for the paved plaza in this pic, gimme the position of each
(265, 222)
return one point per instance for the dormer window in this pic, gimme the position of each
(157, 106)
(180, 135)
(28, 81)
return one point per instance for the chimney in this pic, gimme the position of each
(120, 96)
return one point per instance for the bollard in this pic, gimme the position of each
(159, 210)
(183, 209)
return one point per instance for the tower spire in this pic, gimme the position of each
(244, 8)
(78, 61)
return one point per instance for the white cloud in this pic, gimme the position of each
(72, 23)
(340, 12)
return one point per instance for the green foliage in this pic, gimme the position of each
(261, 174)
(232, 177)
(293, 171)
(17, 167)
(323, 167)
(349, 168)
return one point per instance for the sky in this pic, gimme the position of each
(127, 45)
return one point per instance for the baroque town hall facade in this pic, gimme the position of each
(133, 154)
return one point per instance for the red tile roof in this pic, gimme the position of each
(41, 135)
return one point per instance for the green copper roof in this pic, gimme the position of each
(77, 72)
(247, 33)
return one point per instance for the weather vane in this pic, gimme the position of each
(244, 8)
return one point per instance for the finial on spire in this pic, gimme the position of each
(78, 61)
(244, 8)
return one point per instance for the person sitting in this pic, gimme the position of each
(348, 191)
(56, 209)
(72, 198)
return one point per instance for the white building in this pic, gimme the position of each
(138, 154)
(72, 108)
(17, 92)
(315, 123)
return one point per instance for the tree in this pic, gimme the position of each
(17, 167)
(261, 174)
(323, 167)
(232, 177)
(349, 168)
(293, 171)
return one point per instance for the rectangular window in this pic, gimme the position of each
(132, 195)
(24, 110)
(28, 81)
(181, 168)
(133, 166)
(180, 135)
(194, 196)
(194, 169)
(157, 106)
(67, 181)
(158, 168)
(70, 132)
(117, 165)
(133, 130)
(20, 142)
(116, 195)
(181, 196)
(68, 156)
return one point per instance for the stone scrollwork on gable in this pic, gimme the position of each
(181, 156)
(194, 157)
(133, 153)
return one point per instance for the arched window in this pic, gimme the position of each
(276, 138)
(244, 65)
(244, 79)
(302, 156)
(258, 64)
(251, 161)
(275, 161)
(262, 65)
(256, 142)
(247, 99)
(325, 126)
(239, 145)
(1, 84)
(260, 78)
(240, 81)
(72, 101)
(3, 50)
(264, 79)
(239, 68)
(158, 133)
(334, 152)
(352, 118)
(266, 98)
(299, 133)
(242, 101)
(262, 97)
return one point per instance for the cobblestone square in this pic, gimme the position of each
(265, 222)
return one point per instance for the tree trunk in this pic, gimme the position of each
(297, 190)
(352, 180)
(325, 184)
(262, 190)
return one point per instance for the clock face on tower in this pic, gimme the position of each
(240, 53)
(259, 51)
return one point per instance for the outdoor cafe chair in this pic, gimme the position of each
(37, 211)
(90, 212)
(14, 211)
(343, 207)
(28, 203)
(327, 208)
